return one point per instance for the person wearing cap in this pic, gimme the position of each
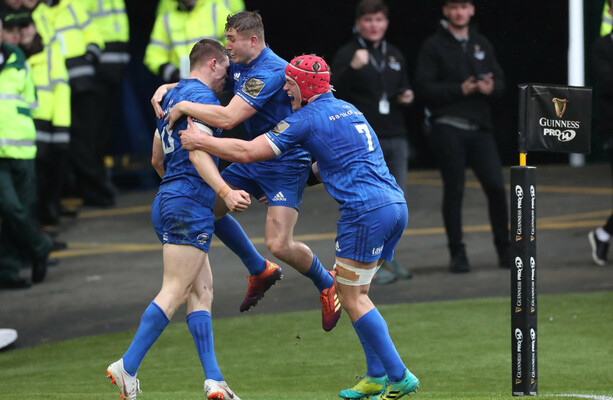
(459, 78)
(257, 77)
(373, 209)
(370, 73)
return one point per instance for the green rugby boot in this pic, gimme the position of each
(367, 386)
(395, 390)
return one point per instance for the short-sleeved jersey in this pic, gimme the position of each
(260, 84)
(347, 150)
(178, 168)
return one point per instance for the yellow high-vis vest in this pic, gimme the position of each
(235, 6)
(52, 117)
(175, 33)
(17, 99)
(69, 24)
(607, 21)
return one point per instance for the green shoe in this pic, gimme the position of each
(396, 390)
(366, 387)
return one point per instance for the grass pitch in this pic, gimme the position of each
(458, 350)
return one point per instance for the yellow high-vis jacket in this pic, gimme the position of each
(52, 117)
(607, 21)
(111, 21)
(80, 43)
(235, 6)
(175, 33)
(17, 99)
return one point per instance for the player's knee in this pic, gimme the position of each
(278, 247)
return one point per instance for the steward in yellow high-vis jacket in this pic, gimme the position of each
(17, 177)
(175, 33)
(51, 119)
(69, 24)
(111, 21)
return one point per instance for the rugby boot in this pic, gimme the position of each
(330, 307)
(366, 387)
(259, 284)
(218, 390)
(395, 390)
(128, 385)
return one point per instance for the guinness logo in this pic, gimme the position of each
(560, 105)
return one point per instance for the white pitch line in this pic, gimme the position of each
(586, 396)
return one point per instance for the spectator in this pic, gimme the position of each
(371, 73)
(602, 69)
(18, 232)
(458, 77)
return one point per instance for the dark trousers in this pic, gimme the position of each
(457, 149)
(18, 233)
(609, 225)
(86, 149)
(396, 154)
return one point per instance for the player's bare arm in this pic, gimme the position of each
(157, 155)
(234, 150)
(222, 117)
(236, 200)
(158, 96)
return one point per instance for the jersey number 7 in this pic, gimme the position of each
(363, 128)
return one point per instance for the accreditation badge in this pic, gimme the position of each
(384, 106)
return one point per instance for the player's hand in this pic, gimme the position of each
(486, 85)
(189, 137)
(469, 86)
(360, 59)
(406, 97)
(156, 100)
(237, 200)
(175, 113)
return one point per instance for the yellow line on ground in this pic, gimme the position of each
(87, 249)
(115, 211)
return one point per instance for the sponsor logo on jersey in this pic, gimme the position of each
(280, 128)
(253, 87)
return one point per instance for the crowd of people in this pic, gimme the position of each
(61, 62)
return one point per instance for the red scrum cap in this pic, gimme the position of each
(311, 74)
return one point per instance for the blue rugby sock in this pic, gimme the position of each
(374, 367)
(151, 326)
(200, 324)
(229, 231)
(319, 275)
(373, 328)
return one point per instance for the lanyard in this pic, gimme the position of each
(379, 67)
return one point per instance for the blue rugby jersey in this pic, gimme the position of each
(347, 151)
(260, 84)
(177, 165)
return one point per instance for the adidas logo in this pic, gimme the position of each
(279, 197)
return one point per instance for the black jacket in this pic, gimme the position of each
(442, 66)
(363, 88)
(602, 68)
